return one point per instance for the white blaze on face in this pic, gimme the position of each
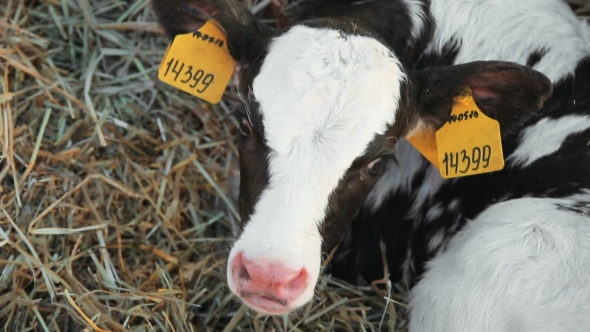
(323, 97)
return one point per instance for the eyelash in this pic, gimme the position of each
(373, 163)
(376, 166)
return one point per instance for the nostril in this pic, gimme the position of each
(239, 270)
(243, 273)
(299, 282)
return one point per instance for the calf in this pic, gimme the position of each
(328, 104)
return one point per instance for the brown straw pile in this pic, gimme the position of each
(117, 192)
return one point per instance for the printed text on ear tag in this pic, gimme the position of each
(199, 63)
(469, 142)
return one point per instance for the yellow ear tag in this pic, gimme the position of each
(425, 142)
(199, 63)
(469, 142)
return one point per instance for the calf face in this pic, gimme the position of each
(324, 105)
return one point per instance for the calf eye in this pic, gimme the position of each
(245, 127)
(376, 167)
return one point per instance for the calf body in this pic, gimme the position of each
(323, 157)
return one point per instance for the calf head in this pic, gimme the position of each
(324, 105)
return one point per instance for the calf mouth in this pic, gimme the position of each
(265, 303)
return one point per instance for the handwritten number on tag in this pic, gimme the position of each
(194, 77)
(461, 162)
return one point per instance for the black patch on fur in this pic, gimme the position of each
(535, 57)
(582, 208)
(253, 151)
(445, 57)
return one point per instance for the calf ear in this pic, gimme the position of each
(504, 91)
(243, 31)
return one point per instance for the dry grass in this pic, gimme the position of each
(117, 193)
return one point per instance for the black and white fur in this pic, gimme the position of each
(323, 157)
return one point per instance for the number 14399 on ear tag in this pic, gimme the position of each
(199, 63)
(469, 142)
